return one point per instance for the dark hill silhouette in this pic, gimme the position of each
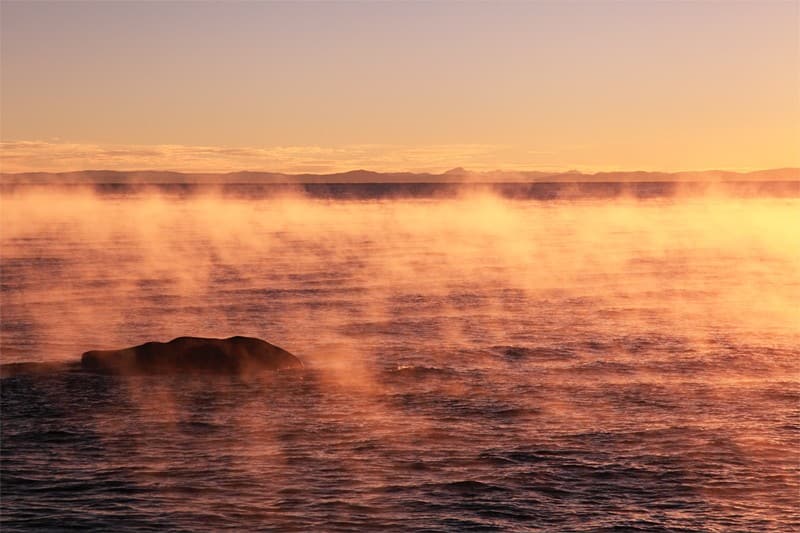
(455, 175)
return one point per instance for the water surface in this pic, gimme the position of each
(516, 359)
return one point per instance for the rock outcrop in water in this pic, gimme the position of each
(188, 355)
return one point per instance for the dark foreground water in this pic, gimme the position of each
(481, 361)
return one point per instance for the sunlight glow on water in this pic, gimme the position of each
(473, 362)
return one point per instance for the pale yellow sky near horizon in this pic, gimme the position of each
(328, 87)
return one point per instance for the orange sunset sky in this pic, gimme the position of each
(326, 87)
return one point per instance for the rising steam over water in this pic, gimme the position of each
(512, 359)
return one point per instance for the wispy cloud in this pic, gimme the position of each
(43, 156)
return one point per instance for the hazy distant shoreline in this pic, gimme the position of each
(457, 175)
(366, 191)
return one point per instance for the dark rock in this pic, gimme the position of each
(189, 355)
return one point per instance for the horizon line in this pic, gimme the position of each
(453, 176)
(458, 170)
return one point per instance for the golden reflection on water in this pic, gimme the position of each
(451, 345)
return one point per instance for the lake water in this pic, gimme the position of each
(515, 358)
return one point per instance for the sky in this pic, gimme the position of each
(399, 86)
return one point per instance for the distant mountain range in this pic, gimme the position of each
(456, 175)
